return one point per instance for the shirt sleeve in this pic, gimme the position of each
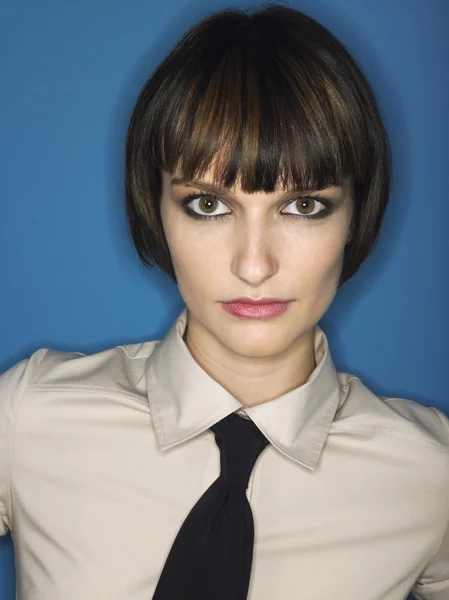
(433, 583)
(13, 383)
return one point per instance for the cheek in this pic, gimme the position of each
(318, 280)
(195, 262)
(193, 245)
(323, 268)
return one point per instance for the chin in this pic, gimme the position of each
(261, 338)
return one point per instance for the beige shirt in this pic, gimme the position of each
(102, 456)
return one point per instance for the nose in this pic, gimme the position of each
(254, 250)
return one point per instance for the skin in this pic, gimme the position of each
(261, 248)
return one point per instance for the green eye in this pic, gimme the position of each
(207, 202)
(309, 204)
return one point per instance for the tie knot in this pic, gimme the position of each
(240, 442)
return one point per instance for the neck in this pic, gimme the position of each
(252, 380)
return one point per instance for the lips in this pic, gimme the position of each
(258, 310)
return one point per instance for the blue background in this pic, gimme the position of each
(70, 74)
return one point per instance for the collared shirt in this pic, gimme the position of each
(102, 457)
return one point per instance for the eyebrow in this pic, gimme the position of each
(209, 187)
(201, 184)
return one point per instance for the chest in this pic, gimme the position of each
(95, 516)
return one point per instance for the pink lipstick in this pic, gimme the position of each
(264, 308)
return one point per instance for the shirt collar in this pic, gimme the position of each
(185, 400)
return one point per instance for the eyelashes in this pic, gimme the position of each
(190, 198)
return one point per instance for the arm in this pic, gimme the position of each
(433, 583)
(13, 383)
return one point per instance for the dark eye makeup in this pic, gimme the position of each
(329, 207)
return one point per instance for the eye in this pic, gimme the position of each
(307, 207)
(207, 205)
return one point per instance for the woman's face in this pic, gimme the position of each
(263, 245)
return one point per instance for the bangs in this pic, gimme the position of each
(261, 110)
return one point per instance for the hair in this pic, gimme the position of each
(269, 98)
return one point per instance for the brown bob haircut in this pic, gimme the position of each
(269, 98)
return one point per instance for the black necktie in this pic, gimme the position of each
(212, 554)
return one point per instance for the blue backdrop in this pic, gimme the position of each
(70, 74)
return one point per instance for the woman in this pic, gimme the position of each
(257, 169)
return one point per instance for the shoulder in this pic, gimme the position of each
(361, 409)
(120, 369)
